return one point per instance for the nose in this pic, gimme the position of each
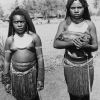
(76, 10)
(19, 24)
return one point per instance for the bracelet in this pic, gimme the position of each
(6, 79)
(38, 47)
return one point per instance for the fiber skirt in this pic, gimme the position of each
(79, 77)
(23, 84)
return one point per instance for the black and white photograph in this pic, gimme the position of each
(49, 49)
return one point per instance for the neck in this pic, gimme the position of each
(78, 20)
(21, 35)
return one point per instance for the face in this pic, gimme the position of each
(76, 9)
(19, 24)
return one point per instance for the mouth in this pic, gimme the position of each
(76, 14)
(20, 29)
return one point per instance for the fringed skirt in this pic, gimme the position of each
(79, 77)
(23, 83)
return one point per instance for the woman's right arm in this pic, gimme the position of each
(7, 59)
(59, 44)
(6, 80)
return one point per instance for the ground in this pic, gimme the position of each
(55, 86)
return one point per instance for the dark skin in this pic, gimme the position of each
(63, 39)
(23, 55)
(69, 42)
(76, 11)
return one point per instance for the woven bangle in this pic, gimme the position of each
(6, 79)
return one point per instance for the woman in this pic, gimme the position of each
(77, 35)
(24, 64)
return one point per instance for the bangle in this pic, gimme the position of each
(38, 47)
(6, 79)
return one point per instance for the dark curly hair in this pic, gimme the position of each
(84, 3)
(23, 12)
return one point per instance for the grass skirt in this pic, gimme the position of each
(79, 77)
(23, 84)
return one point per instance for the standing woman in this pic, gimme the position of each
(24, 64)
(77, 35)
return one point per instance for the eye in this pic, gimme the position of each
(15, 22)
(80, 7)
(72, 8)
(22, 22)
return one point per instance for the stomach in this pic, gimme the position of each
(22, 56)
(77, 55)
(25, 60)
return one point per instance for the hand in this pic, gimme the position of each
(85, 45)
(86, 37)
(63, 35)
(80, 44)
(77, 42)
(8, 88)
(40, 85)
(60, 37)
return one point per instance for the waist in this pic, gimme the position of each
(71, 57)
(24, 66)
(69, 63)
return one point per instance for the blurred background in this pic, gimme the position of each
(46, 16)
(45, 9)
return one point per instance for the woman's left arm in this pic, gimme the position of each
(94, 41)
(39, 53)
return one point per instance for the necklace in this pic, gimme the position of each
(77, 21)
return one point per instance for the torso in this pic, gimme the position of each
(81, 27)
(23, 49)
(73, 53)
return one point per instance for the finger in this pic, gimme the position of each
(77, 43)
(78, 40)
(77, 46)
(40, 88)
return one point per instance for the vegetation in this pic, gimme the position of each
(43, 8)
(1, 13)
(48, 8)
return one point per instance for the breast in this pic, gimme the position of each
(81, 27)
(22, 42)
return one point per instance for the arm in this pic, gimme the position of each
(94, 43)
(7, 60)
(59, 44)
(40, 78)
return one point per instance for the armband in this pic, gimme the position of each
(7, 51)
(39, 47)
(40, 57)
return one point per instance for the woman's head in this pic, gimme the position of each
(19, 24)
(22, 16)
(77, 9)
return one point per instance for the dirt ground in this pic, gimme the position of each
(55, 86)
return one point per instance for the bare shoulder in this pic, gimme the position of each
(9, 40)
(62, 23)
(91, 24)
(34, 35)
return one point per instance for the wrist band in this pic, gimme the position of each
(39, 47)
(8, 51)
(6, 79)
